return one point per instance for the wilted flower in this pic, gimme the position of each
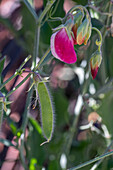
(62, 46)
(95, 62)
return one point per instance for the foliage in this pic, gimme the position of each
(75, 113)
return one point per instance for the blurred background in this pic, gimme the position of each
(83, 106)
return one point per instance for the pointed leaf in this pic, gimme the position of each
(1, 68)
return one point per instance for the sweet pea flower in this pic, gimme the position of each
(62, 46)
(95, 62)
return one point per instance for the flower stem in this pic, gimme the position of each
(80, 7)
(32, 11)
(42, 59)
(17, 72)
(15, 88)
(48, 6)
(92, 160)
(35, 54)
(98, 43)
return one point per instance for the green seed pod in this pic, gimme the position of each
(47, 111)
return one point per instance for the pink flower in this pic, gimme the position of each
(62, 46)
(95, 62)
(94, 72)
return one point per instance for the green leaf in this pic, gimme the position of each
(33, 149)
(36, 125)
(1, 68)
(47, 113)
(81, 2)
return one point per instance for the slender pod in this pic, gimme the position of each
(47, 111)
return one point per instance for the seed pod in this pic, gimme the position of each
(47, 111)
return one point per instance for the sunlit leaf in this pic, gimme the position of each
(36, 125)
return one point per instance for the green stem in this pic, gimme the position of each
(42, 59)
(24, 62)
(22, 158)
(92, 161)
(24, 124)
(17, 72)
(1, 114)
(110, 10)
(80, 7)
(48, 6)
(99, 43)
(15, 88)
(36, 47)
(99, 162)
(104, 89)
(100, 12)
(25, 114)
(72, 132)
(7, 81)
(32, 11)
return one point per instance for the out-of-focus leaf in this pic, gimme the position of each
(47, 112)
(6, 142)
(33, 148)
(96, 23)
(106, 111)
(108, 55)
(81, 2)
(28, 28)
(61, 106)
(8, 24)
(54, 165)
(36, 125)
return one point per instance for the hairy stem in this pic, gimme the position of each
(17, 72)
(15, 88)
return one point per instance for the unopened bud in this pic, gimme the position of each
(95, 62)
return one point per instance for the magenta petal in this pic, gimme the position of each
(62, 47)
(94, 72)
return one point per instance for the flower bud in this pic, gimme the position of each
(83, 32)
(95, 62)
(77, 21)
(88, 34)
